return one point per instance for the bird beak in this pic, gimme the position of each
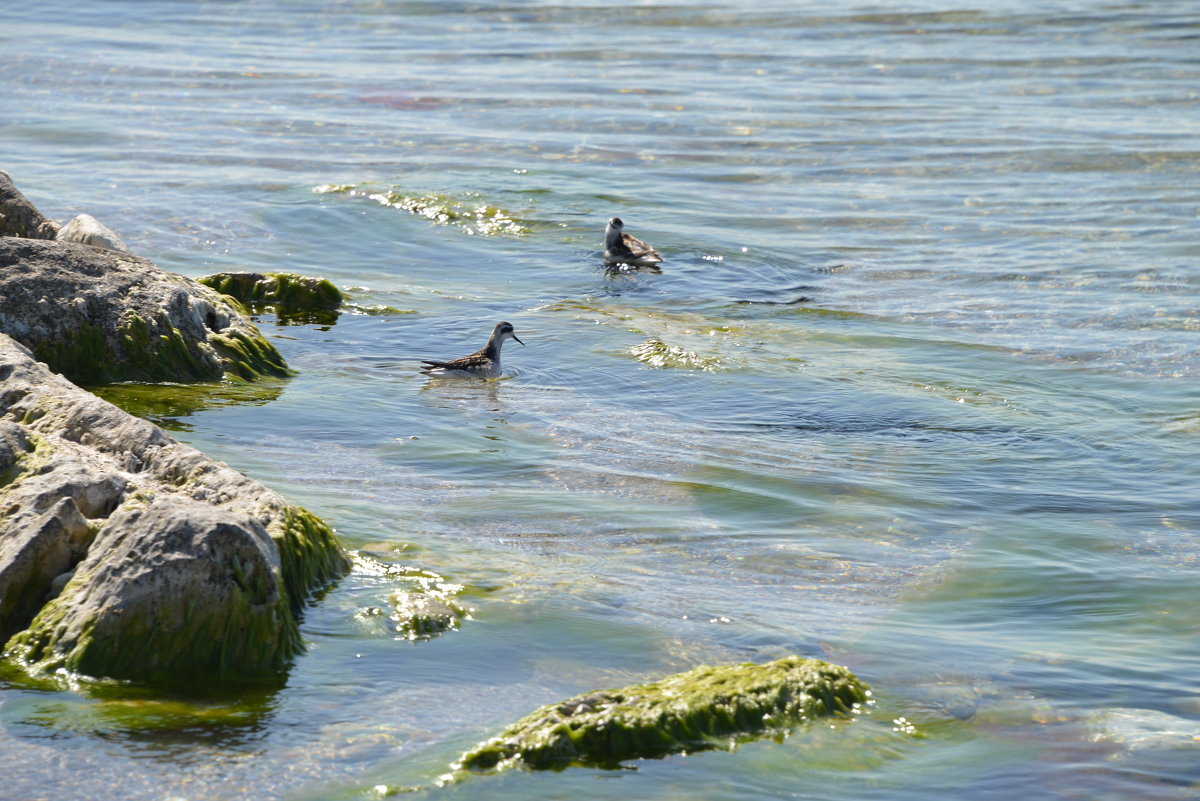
(515, 337)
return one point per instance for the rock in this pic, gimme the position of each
(19, 217)
(704, 708)
(420, 615)
(126, 554)
(98, 315)
(1143, 729)
(87, 230)
(290, 295)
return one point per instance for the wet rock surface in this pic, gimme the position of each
(127, 554)
(701, 709)
(99, 315)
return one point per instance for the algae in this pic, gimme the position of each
(702, 709)
(249, 357)
(123, 709)
(155, 351)
(293, 298)
(657, 353)
(309, 554)
(194, 648)
(422, 615)
(467, 212)
(81, 354)
(164, 404)
(252, 640)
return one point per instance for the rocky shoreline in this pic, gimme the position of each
(125, 554)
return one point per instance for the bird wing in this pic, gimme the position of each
(466, 362)
(637, 247)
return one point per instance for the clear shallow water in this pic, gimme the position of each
(926, 403)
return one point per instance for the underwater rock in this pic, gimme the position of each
(19, 217)
(286, 293)
(99, 316)
(420, 615)
(704, 708)
(87, 230)
(657, 353)
(1143, 729)
(127, 554)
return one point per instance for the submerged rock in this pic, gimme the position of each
(701, 709)
(99, 316)
(127, 554)
(287, 293)
(657, 353)
(1144, 729)
(87, 230)
(421, 615)
(19, 217)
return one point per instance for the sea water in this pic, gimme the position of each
(915, 390)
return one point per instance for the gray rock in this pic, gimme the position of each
(99, 315)
(87, 230)
(19, 217)
(176, 566)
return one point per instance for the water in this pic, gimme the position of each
(915, 390)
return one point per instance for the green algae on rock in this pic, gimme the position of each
(125, 554)
(100, 316)
(172, 591)
(309, 553)
(701, 709)
(657, 353)
(421, 615)
(295, 298)
(467, 212)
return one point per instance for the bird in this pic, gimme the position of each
(483, 363)
(622, 248)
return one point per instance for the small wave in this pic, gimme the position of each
(466, 212)
(657, 353)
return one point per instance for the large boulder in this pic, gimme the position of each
(127, 554)
(703, 708)
(98, 315)
(19, 217)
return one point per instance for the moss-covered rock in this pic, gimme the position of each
(701, 709)
(421, 615)
(172, 590)
(99, 316)
(126, 554)
(470, 213)
(657, 353)
(295, 298)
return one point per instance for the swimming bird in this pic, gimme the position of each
(622, 248)
(483, 363)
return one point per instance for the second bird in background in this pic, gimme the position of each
(623, 248)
